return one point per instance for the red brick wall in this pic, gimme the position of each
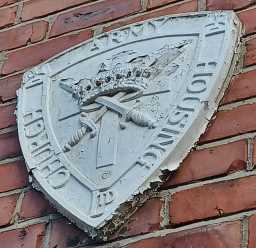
(209, 202)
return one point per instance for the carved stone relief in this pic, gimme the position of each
(101, 121)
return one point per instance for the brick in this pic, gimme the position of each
(23, 35)
(247, 17)
(29, 237)
(34, 205)
(93, 14)
(157, 3)
(231, 122)
(38, 8)
(9, 145)
(8, 87)
(7, 115)
(8, 204)
(40, 52)
(64, 234)
(13, 175)
(250, 56)
(7, 16)
(241, 87)
(226, 235)
(228, 4)
(210, 162)
(173, 9)
(252, 232)
(254, 151)
(7, 2)
(213, 200)
(146, 219)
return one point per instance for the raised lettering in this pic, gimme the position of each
(99, 201)
(197, 86)
(59, 178)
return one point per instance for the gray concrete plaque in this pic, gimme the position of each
(101, 121)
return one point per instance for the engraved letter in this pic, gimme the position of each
(99, 201)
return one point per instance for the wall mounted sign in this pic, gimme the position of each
(99, 122)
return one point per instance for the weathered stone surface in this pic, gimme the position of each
(136, 97)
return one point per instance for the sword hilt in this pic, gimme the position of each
(74, 140)
(141, 119)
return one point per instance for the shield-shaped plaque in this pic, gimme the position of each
(101, 121)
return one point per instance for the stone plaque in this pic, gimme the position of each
(99, 123)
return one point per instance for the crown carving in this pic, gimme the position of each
(125, 76)
(128, 78)
(126, 71)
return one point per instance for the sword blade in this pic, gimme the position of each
(82, 131)
(112, 104)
